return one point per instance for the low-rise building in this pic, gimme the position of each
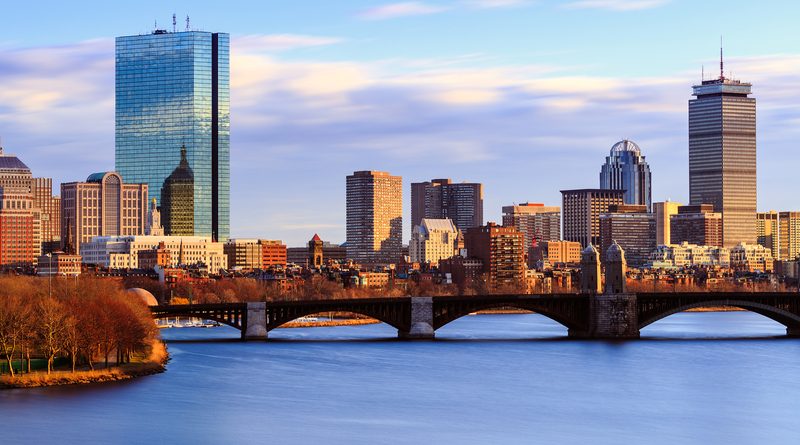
(689, 255)
(122, 252)
(433, 240)
(59, 264)
(752, 258)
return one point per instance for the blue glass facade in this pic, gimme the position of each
(173, 89)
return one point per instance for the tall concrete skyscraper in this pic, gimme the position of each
(722, 154)
(581, 211)
(173, 89)
(441, 198)
(626, 169)
(374, 217)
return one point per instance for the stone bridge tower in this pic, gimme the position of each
(616, 269)
(591, 280)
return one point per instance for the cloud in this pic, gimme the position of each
(298, 127)
(488, 4)
(282, 42)
(616, 5)
(402, 9)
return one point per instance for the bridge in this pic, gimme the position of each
(620, 315)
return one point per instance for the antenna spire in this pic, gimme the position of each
(187, 22)
(174, 23)
(721, 71)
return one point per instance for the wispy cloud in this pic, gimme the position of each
(402, 9)
(616, 5)
(316, 122)
(488, 4)
(282, 42)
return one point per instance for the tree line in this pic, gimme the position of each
(86, 320)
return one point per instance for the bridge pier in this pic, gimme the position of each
(611, 316)
(421, 326)
(255, 326)
(793, 331)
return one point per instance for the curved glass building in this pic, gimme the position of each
(173, 89)
(626, 169)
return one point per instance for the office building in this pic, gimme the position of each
(722, 155)
(16, 213)
(633, 229)
(502, 254)
(549, 254)
(432, 241)
(462, 203)
(581, 210)
(374, 217)
(243, 254)
(273, 254)
(696, 224)
(625, 169)
(49, 207)
(173, 89)
(102, 206)
(663, 212)
(779, 232)
(536, 221)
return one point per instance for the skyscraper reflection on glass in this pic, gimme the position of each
(173, 89)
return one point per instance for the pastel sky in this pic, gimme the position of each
(524, 96)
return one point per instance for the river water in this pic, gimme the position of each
(694, 378)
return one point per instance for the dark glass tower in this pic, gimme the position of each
(626, 169)
(722, 155)
(177, 199)
(173, 89)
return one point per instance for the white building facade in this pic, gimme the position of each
(122, 252)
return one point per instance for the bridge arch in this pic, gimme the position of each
(786, 318)
(278, 321)
(445, 317)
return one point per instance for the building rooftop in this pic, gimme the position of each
(625, 145)
(11, 162)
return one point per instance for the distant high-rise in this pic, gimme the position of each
(663, 212)
(581, 211)
(462, 203)
(374, 217)
(172, 89)
(626, 169)
(699, 225)
(633, 228)
(537, 222)
(502, 253)
(780, 232)
(722, 155)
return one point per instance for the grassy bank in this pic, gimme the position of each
(152, 362)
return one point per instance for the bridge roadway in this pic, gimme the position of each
(585, 316)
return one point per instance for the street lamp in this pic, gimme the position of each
(50, 276)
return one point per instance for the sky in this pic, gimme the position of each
(526, 97)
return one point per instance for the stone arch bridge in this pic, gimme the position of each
(585, 316)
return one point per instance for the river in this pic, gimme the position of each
(694, 378)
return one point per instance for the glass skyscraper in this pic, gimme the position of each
(626, 169)
(173, 90)
(722, 155)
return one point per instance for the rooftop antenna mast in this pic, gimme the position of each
(174, 23)
(187, 22)
(721, 72)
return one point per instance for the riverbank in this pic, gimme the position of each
(153, 363)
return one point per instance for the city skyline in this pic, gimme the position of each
(324, 136)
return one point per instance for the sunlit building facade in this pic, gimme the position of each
(374, 217)
(173, 89)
